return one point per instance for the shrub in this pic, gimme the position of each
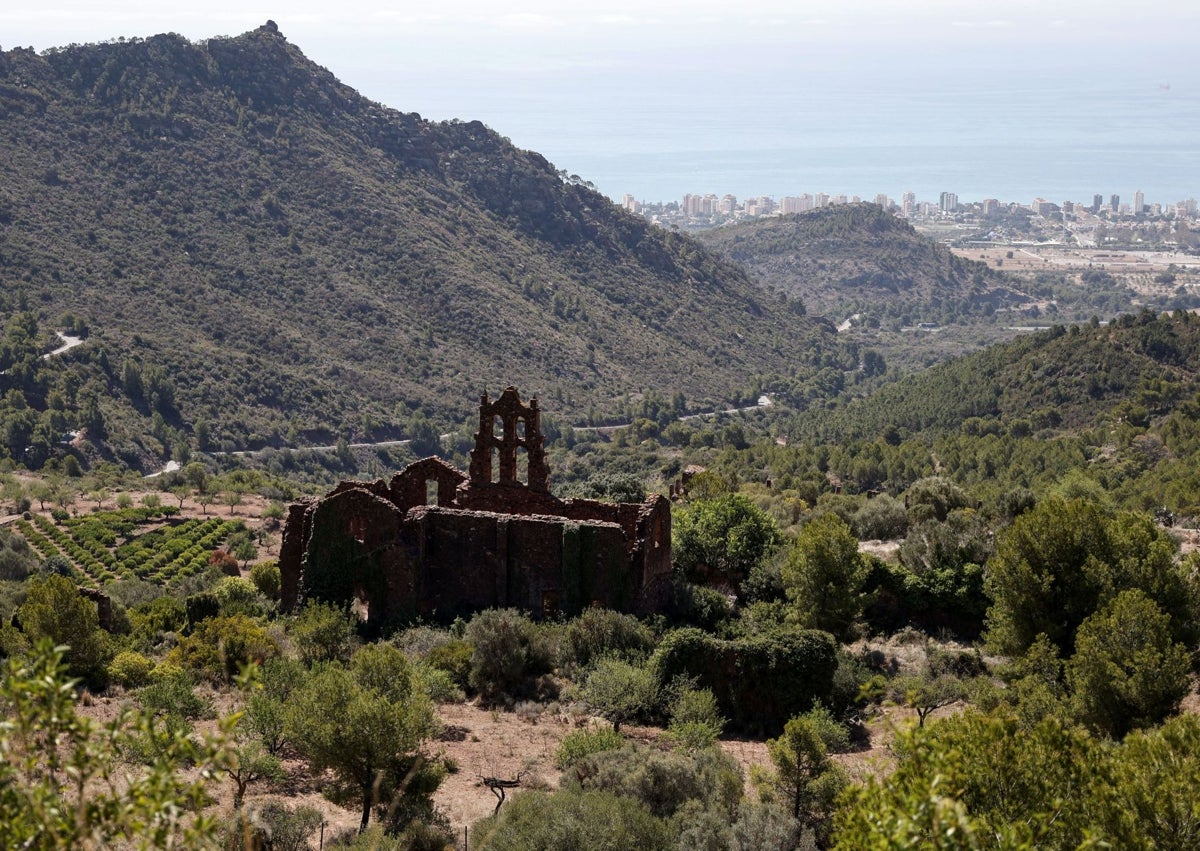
(508, 653)
(620, 691)
(798, 664)
(238, 596)
(882, 518)
(200, 607)
(130, 669)
(454, 659)
(174, 696)
(225, 562)
(934, 497)
(696, 722)
(266, 578)
(581, 743)
(663, 781)
(54, 609)
(323, 632)
(441, 686)
(274, 825)
(1127, 673)
(544, 820)
(602, 632)
(220, 646)
(695, 605)
(722, 538)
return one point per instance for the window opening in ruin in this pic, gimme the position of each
(549, 604)
(431, 492)
(360, 606)
(521, 428)
(522, 465)
(358, 529)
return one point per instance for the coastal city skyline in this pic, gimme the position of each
(730, 206)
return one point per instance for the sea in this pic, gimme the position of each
(1058, 138)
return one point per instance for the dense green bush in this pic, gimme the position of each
(284, 828)
(323, 632)
(934, 498)
(621, 691)
(439, 684)
(581, 743)
(55, 610)
(602, 632)
(266, 578)
(540, 820)
(823, 576)
(454, 658)
(719, 540)
(220, 646)
(882, 518)
(662, 780)
(130, 669)
(508, 653)
(798, 665)
(696, 605)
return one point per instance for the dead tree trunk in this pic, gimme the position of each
(498, 785)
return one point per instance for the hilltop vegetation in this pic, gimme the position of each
(859, 258)
(298, 263)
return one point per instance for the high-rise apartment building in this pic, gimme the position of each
(1097, 203)
(1114, 203)
(948, 202)
(794, 204)
(1139, 203)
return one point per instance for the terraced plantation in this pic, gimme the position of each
(111, 545)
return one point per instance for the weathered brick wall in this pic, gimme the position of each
(351, 546)
(652, 556)
(408, 487)
(291, 555)
(485, 543)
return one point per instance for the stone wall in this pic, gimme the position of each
(485, 543)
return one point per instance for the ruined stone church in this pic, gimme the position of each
(437, 543)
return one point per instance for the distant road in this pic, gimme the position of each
(764, 401)
(69, 343)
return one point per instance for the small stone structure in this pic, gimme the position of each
(437, 543)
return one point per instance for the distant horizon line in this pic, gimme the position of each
(617, 199)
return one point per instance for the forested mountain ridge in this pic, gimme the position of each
(859, 258)
(1131, 370)
(300, 262)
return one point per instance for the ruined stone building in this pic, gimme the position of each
(437, 543)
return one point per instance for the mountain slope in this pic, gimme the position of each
(857, 258)
(303, 263)
(1140, 366)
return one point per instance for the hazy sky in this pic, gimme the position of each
(551, 75)
(390, 50)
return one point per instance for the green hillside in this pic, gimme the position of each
(288, 262)
(1135, 367)
(858, 258)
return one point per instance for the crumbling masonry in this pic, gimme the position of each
(435, 543)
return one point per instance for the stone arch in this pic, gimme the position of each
(346, 560)
(409, 488)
